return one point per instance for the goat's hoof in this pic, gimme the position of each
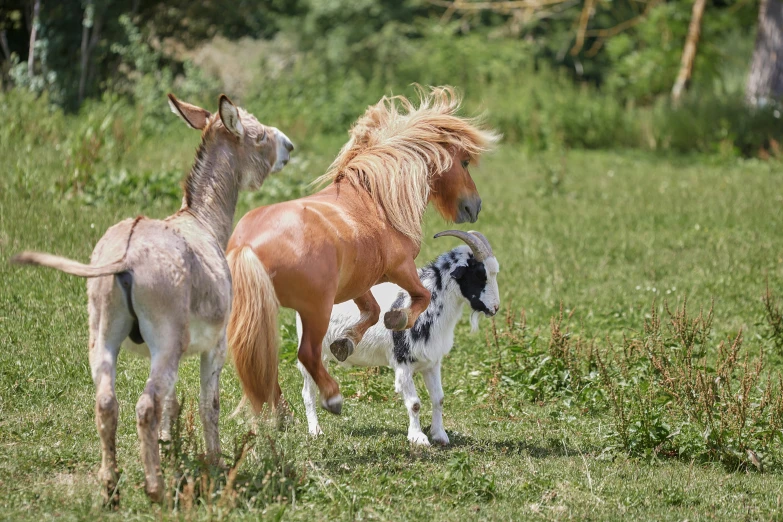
(418, 439)
(441, 438)
(333, 404)
(342, 348)
(395, 320)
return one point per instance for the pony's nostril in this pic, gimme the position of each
(289, 146)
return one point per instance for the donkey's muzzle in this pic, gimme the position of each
(468, 209)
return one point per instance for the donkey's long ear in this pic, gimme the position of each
(195, 117)
(230, 116)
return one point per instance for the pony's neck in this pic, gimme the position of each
(212, 189)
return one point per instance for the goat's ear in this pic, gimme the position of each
(459, 272)
(230, 116)
(195, 117)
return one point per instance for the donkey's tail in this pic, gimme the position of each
(69, 266)
(252, 327)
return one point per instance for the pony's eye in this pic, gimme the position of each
(261, 137)
(465, 163)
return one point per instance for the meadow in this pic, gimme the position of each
(610, 239)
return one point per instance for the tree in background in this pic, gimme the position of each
(765, 81)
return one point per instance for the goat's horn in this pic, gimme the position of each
(484, 239)
(480, 250)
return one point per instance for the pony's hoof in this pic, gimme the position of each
(395, 320)
(110, 493)
(333, 404)
(342, 348)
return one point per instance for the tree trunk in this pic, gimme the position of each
(4, 45)
(689, 52)
(765, 81)
(87, 21)
(33, 35)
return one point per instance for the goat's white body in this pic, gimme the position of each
(377, 347)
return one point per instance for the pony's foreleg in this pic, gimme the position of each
(407, 277)
(314, 326)
(369, 311)
(170, 413)
(209, 403)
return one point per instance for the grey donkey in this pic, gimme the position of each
(162, 288)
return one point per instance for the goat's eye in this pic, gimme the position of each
(261, 138)
(465, 163)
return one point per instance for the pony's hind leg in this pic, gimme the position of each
(369, 311)
(407, 277)
(314, 326)
(209, 403)
(309, 396)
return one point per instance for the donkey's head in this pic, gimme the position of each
(258, 149)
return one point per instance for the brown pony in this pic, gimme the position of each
(362, 229)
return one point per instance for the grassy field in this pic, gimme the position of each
(605, 234)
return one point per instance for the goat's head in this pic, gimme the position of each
(477, 278)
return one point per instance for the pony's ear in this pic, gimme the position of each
(195, 117)
(230, 116)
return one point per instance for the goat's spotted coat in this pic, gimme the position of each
(454, 279)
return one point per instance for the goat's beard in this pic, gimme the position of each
(474, 320)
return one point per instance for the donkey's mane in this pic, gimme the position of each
(395, 149)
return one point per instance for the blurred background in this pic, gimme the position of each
(659, 75)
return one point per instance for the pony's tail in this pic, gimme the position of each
(69, 266)
(252, 327)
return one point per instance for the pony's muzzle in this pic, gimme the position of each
(468, 209)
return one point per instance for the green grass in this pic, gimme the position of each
(606, 234)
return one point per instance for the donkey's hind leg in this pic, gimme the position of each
(209, 405)
(370, 312)
(109, 325)
(168, 340)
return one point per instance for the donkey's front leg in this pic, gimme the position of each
(407, 277)
(209, 403)
(369, 311)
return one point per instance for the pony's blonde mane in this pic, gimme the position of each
(395, 150)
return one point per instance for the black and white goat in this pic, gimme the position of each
(466, 274)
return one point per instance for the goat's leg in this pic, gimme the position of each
(403, 384)
(407, 277)
(369, 311)
(314, 325)
(166, 346)
(310, 398)
(209, 401)
(435, 389)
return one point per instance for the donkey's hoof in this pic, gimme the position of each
(154, 490)
(395, 320)
(342, 348)
(333, 404)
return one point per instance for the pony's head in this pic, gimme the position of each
(261, 150)
(407, 156)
